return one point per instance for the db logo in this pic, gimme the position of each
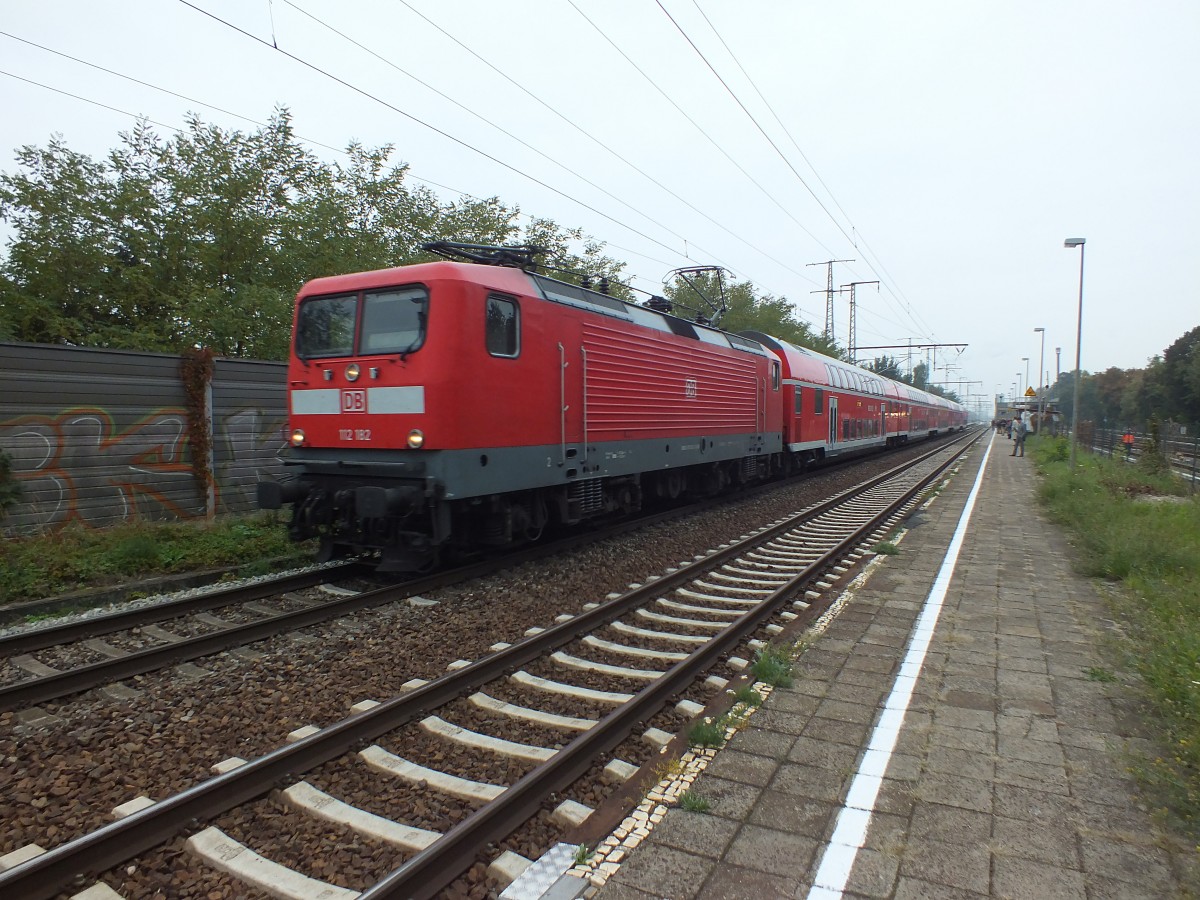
(690, 389)
(354, 401)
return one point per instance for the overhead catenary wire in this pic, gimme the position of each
(484, 119)
(597, 141)
(459, 141)
(854, 240)
(703, 132)
(372, 96)
(173, 128)
(466, 144)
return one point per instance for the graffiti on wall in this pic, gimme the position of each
(80, 466)
(254, 438)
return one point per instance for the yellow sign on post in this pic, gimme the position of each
(1030, 392)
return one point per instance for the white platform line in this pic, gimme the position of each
(854, 818)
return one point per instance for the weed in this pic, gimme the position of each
(694, 802)
(76, 557)
(748, 696)
(668, 769)
(886, 548)
(707, 733)
(582, 854)
(1152, 552)
(135, 554)
(773, 666)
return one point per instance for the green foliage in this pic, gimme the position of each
(1101, 674)
(582, 854)
(1152, 460)
(202, 240)
(707, 733)
(886, 548)
(745, 310)
(748, 696)
(1134, 528)
(693, 802)
(1168, 387)
(10, 488)
(773, 666)
(76, 558)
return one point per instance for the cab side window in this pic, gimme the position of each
(503, 327)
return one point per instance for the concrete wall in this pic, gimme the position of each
(99, 437)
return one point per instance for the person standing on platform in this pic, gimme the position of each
(1018, 435)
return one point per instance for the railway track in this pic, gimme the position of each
(580, 699)
(102, 650)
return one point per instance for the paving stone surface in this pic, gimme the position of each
(1008, 777)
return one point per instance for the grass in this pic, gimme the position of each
(77, 558)
(773, 666)
(1138, 528)
(693, 802)
(886, 548)
(707, 733)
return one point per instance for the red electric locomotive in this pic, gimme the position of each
(453, 406)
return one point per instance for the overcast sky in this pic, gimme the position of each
(947, 147)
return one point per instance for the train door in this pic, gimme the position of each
(833, 420)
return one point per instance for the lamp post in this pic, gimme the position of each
(1041, 388)
(1025, 359)
(1076, 242)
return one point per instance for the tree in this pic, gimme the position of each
(1181, 377)
(203, 240)
(887, 366)
(745, 309)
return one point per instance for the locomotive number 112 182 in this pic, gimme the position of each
(354, 434)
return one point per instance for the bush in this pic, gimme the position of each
(76, 558)
(10, 488)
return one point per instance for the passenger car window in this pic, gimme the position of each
(503, 327)
(818, 402)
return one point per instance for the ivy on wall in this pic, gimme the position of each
(10, 488)
(196, 372)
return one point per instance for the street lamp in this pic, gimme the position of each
(1025, 359)
(1076, 242)
(1041, 388)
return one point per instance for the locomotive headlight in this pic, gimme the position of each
(416, 439)
(352, 372)
(297, 437)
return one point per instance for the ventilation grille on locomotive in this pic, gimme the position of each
(588, 494)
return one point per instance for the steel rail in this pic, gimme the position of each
(120, 620)
(32, 691)
(70, 864)
(433, 868)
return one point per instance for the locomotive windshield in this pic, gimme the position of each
(393, 321)
(325, 326)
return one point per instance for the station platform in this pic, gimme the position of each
(955, 732)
